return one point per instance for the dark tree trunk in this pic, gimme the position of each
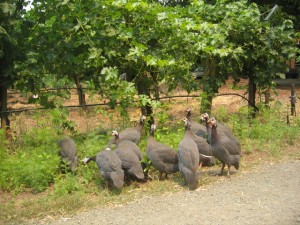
(143, 87)
(251, 95)
(267, 97)
(206, 102)
(293, 100)
(208, 93)
(5, 124)
(80, 92)
(156, 89)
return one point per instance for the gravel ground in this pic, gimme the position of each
(268, 195)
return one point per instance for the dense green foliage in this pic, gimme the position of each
(92, 43)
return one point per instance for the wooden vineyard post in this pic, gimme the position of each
(293, 100)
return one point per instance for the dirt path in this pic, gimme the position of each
(268, 195)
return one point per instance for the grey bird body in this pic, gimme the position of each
(130, 156)
(68, 153)
(130, 162)
(131, 133)
(126, 144)
(223, 148)
(223, 131)
(188, 157)
(110, 167)
(162, 157)
(206, 157)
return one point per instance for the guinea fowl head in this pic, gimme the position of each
(115, 133)
(152, 129)
(187, 123)
(204, 117)
(142, 119)
(212, 122)
(85, 160)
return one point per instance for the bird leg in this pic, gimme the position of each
(200, 165)
(222, 169)
(166, 176)
(184, 180)
(228, 172)
(107, 185)
(160, 175)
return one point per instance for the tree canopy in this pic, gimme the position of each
(92, 43)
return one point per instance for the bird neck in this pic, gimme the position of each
(206, 124)
(214, 137)
(117, 140)
(152, 133)
(188, 131)
(188, 116)
(140, 127)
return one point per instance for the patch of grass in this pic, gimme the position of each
(268, 132)
(32, 164)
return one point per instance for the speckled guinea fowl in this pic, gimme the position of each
(132, 133)
(124, 143)
(130, 155)
(197, 128)
(68, 153)
(162, 157)
(222, 130)
(110, 167)
(223, 148)
(188, 157)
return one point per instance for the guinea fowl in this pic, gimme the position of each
(110, 167)
(68, 153)
(130, 156)
(223, 148)
(197, 128)
(188, 157)
(222, 129)
(132, 133)
(124, 143)
(162, 157)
